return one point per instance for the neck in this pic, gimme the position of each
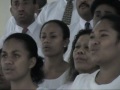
(86, 17)
(24, 83)
(108, 74)
(25, 23)
(52, 67)
(53, 62)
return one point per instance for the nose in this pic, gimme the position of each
(93, 43)
(8, 61)
(81, 51)
(20, 7)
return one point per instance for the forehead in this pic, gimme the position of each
(103, 25)
(83, 38)
(13, 44)
(105, 7)
(51, 27)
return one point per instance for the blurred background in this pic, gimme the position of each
(5, 13)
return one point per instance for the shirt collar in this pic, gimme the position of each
(82, 23)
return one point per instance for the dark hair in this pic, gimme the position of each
(30, 45)
(115, 19)
(63, 26)
(72, 71)
(41, 3)
(34, 2)
(113, 3)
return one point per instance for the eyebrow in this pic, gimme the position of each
(103, 30)
(12, 51)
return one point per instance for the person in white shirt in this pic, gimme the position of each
(80, 60)
(54, 38)
(20, 62)
(23, 16)
(100, 8)
(104, 47)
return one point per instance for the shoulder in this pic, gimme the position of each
(83, 81)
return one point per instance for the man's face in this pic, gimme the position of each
(23, 10)
(83, 7)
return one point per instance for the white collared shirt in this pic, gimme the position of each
(33, 31)
(55, 10)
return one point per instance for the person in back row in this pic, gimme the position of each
(104, 47)
(20, 62)
(100, 8)
(23, 12)
(54, 37)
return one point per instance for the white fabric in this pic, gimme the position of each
(42, 88)
(33, 31)
(87, 81)
(54, 83)
(65, 86)
(55, 10)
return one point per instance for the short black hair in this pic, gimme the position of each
(115, 19)
(113, 3)
(41, 3)
(37, 74)
(63, 26)
(34, 2)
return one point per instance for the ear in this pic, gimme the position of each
(32, 62)
(11, 11)
(66, 42)
(36, 8)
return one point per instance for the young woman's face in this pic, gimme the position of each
(52, 40)
(15, 60)
(81, 54)
(104, 44)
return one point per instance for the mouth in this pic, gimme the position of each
(7, 70)
(83, 5)
(80, 59)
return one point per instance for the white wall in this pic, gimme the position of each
(5, 13)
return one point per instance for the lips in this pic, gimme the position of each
(83, 5)
(80, 59)
(7, 70)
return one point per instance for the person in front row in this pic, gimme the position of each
(20, 62)
(54, 38)
(104, 47)
(80, 61)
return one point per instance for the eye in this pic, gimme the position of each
(77, 46)
(86, 47)
(92, 36)
(103, 35)
(43, 37)
(3, 55)
(53, 36)
(16, 55)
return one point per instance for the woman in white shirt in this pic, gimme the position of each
(20, 62)
(104, 47)
(54, 38)
(79, 58)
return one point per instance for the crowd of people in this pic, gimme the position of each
(40, 51)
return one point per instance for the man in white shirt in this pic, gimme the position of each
(23, 16)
